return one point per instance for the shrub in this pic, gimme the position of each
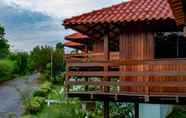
(6, 69)
(39, 92)
(34, 105)
(178, 112)
(43, 90)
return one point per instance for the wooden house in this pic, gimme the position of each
(141, 58)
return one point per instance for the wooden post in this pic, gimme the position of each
(136, 110)
(184, 31)
(87, 58)
(107, 55)
(86, 87)
(106, 47)
(106, 109)
(66, 86)
(106, 88)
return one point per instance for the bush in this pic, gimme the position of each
(34, 105)
(178, 112)
(6, 69)
(43, 90)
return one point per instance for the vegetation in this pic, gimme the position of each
(178, 112)
(35, 107)
(7, 68)
(4, 46)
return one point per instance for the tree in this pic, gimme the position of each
(40, 57)
(60, 46)
(4, 46)
(22, 63)
(58, 59)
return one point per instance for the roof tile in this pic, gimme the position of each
(134, 10)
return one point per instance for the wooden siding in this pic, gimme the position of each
(136, 46)
(134, 65)
(98, 46)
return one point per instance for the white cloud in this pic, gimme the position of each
(61, 8)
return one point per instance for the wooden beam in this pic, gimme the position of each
(125, 74)
(127, 62)
(129, 84)
(106, 109)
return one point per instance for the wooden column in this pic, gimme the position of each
(106, 56)
(106, 88)
(106, 47)
(67, 87)
(184, 31)
(87, 58)
(106, 109)
(136, 110)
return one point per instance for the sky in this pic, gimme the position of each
(29, 23)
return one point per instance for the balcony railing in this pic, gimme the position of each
(90, 56)
(139, 77)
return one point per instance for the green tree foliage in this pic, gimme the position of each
(40, 57)
(4, 46)
(58, 59)
(22, 63)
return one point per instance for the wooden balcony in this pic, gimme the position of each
(131, 80)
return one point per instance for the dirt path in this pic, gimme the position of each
(9, 96)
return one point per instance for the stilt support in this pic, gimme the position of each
(106, 109)
(136, 110)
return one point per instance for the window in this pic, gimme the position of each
(170, 45)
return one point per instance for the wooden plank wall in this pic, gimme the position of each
(136, 46)
(140, 46)
(98, 46)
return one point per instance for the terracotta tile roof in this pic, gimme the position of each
(72, 44)
(132, 11)
(178, 10)
(77, 37)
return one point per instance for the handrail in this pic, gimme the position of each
(129, 84)
(126, 62)
(126, 74)
(83, 57)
